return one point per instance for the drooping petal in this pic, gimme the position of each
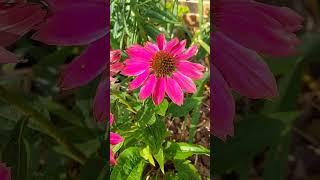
(174, 91)
(86, 67)
(5, 172)
(115, 138)
(179, 49)
(243, 69)
(151, 47)
(185, 82)
(100, 102)
(171, 44)
(77, 24)
(112, 159)
(188, 53)
(161, 41)
(192, 71)
(147, 88)
(111, 119)
(223, 107)
(159, 90)
(7, 56)
(138, 52)
(134, 69)
(139, 80)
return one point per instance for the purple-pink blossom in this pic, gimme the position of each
(163, 68)
(242, 29)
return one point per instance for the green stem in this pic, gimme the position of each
(42, 123)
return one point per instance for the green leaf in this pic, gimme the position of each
(130, 165)
(186, 170)
(16, 153)
(147, 155)
(253, 135)
(184, 150)
(188, 105)
(92, 168)
(154, 135)
(160, 159)
(162, 108)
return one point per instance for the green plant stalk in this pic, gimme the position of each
(200, 12)
(43, 124)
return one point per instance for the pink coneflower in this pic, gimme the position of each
(5, 173)
(114, 140)
(16, 19)
(242, 28)
(84, 23)
(163, 68)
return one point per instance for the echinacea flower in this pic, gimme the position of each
(5, 173)
(16, 19)
(114, 140)
(241, 29)
(84, 22)
(163, 68)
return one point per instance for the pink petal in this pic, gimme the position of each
(112, 159)
(174, 91)
(139, 80)
(243, 69)
(115, 138)
(134, 69)
(223, 107)
(111, 119)
(151, 47)
(188, 53)
(190, 70)
(5, 172)
(161, 41)
(86, 67)
(7, 56)
(77, 24)
(179, 48)
(171, 44)
(100, 102)
(185, 82)
(115, 56)
(7, 39)
(159, 90)
(138, 52)
(147, 88)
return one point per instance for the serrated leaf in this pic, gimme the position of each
(185, 170)
(129, 165)
(188, 105)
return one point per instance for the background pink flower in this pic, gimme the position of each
(114, 140)
(243, 28)
(163, 68)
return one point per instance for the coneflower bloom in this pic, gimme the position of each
(5, 173)
(163, 68)
(84, 23)
(16, 19)
(241, 29)
(114, 140)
